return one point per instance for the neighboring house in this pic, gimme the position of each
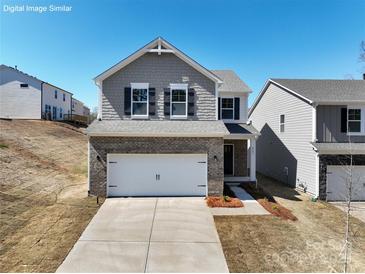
(308, 130)
(86, 111)
(23, 96)
(56, 102)
(161, 127)
(77, 107)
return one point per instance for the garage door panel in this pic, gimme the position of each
(157, 174)
(338, 178)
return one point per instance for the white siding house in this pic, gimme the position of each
(23, 96)
(77, 107)
(20, 94)
(55, 102)
(284, 149)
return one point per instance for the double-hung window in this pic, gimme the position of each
(55, 94)
(64, 97)
(139, 100)
(227, 108)
(179, 98)
(354, 120)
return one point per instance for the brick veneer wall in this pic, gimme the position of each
(240, 156)
(101, 146)
(325, 160)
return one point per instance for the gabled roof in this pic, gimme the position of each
(30, 76)
(158, 46)
(326, 91)
(231, 82)
(164, 128)
(317, 91)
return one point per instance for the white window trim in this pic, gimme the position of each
(281, 124)
(233, 109)
(362, 121)
(140, 86)
(179, 86)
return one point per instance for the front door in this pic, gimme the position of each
(228, 159)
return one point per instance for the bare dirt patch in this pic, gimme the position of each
(43, 194)
(311, 244)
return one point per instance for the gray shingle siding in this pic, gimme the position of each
(159, 71)
(329, 126)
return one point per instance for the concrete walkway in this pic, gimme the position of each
(250, 205)
(149, 235)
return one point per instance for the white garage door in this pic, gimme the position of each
(157, 174)
(338, 178)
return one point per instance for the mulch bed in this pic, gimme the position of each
(269, 203)
(223, 201)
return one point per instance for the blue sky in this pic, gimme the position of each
(258, 39)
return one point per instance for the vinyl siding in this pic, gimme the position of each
(329, 126)
(17, 102)
(49, 99)
(243, 104)
(291, 149)
(159, 71)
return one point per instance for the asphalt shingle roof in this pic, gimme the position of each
(326, 90)
(231, 81)
(157, 128)
(241, 129)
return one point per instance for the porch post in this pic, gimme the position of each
(253, 159)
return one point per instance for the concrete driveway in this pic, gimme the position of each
(148, 235)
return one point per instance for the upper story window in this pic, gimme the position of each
(139, 99)
(282, 123)
(227, 108)
(354, 121)
(24, 85)
(179, 95)
(55, 94)
(64, 97)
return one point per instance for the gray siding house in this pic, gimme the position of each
(309, 130)
(168, 126)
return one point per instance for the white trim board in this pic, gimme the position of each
(169, 49)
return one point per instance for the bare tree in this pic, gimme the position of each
(362, 51)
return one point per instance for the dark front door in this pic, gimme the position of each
(228, 159)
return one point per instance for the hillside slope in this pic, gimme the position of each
(43, 193)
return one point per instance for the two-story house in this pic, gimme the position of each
(169, 126)
(313, 135)
(23, 96)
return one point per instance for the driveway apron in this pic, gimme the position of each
(148, 235)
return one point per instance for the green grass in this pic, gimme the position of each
(3, 145)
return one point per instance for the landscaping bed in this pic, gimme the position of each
(268, 202)
(223, 201)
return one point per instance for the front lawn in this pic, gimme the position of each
(313, 243)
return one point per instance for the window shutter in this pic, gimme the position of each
(344, 120)
(191, 101)
(127, 101)
(152, 101)
(236, 108)
(219, 108)
(166, 101)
